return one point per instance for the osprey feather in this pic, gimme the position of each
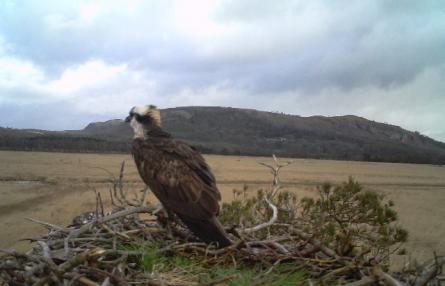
(177, 174)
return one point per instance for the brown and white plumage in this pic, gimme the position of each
(178, 175)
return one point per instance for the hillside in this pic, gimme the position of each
(249, 132)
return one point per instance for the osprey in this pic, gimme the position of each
(177, 174)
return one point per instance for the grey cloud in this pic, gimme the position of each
(114, 36)
(285, 55)
(365, 43)
(357, 44)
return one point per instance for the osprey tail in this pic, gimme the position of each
(209, 231)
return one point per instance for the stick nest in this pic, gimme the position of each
(344, 235)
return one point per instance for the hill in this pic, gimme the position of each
(236, 131)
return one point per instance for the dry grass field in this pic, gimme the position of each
(55, 187)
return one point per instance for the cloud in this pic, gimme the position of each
(291, 44)
(86, 16)
(317, 44)
(14, 71)
(378, 59)
(89, 74)
(20, 80)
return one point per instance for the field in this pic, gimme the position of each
(54, 187)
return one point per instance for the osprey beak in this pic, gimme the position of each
(128, 119)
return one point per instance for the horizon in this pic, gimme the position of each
(66, 64)
(193, 106)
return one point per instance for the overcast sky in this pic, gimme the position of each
(64, 64)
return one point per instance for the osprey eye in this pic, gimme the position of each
(129, 117)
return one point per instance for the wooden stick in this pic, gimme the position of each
(48, 225)
(272, 220)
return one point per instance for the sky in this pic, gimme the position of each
(64, 64)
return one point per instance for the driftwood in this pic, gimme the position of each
(90, 252)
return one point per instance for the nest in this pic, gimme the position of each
(343, 237)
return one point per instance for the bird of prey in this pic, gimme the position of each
(177, 174)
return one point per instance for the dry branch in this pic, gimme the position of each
(272, 220)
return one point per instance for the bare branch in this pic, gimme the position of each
(48, 225)
(431, 270)
(388, 279)
(272, 220)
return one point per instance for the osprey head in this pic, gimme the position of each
(142, 118)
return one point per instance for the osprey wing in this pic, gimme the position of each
(178, 176)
